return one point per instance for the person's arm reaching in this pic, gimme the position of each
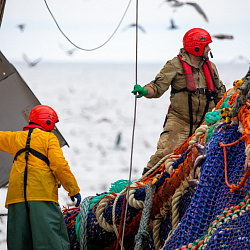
(139, 91)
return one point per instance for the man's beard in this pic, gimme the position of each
(205, 58)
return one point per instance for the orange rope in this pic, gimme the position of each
(244, 118)
(222, 100)
(66, 209)
(139, 184)
(234, 187)
(233, 98)
(106, 196)
(173, 182)
(184, 146)
(75, 212)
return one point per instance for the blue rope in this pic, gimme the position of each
(142, 232)
(84, 207)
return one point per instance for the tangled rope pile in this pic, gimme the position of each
(200, 199)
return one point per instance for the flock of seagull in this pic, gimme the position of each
(32, 63)
(176, 4)
(173, 4)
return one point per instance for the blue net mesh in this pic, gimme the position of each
(233, 234)
(213, 195)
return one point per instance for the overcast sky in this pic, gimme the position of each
(89, 23)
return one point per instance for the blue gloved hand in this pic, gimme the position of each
(78, 197)
(140, 90)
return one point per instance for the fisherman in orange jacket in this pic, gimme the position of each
(195, 89)
(35, 220)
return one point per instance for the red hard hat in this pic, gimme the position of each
(195, 40)
(44, 116)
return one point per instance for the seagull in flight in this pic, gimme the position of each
(69, 52)
(222, 36)
(176, 3)
(118, 140)
(21, 27)
(134, 25)
(172, 25)
(29, 62)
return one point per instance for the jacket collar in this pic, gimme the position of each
(34, 126)
(185, 57)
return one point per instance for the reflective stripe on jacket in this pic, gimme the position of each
(42, 180)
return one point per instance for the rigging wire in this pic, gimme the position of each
(133, 132)
(85, 49)
(135, 105)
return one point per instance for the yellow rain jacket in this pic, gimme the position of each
(42, 180)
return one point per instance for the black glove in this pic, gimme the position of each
(78, 197)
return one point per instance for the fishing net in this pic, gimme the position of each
(200, 199)
(212, 195)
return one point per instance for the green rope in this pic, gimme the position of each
(116, 187)
(225, 103)
(214, 118)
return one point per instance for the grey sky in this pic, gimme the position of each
(89, 23)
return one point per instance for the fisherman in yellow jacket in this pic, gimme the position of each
(35, 220)
(195, 89)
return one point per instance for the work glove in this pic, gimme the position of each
(78, 197)
(140, 90)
